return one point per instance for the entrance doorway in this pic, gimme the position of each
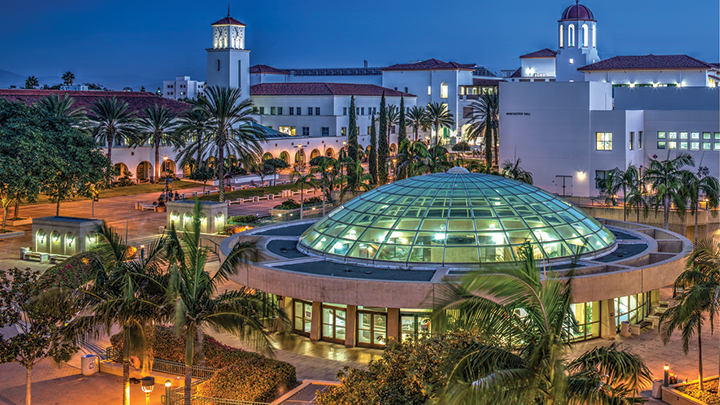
(333, 329)
(302, 316)
(372, 329)
(564, 185)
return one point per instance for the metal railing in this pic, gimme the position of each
(177, 397)
(166, 366)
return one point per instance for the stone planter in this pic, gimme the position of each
(160, 208)
(672, 396)
(9, 235)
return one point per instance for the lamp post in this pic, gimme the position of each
(395, 168)
(168, 386)
(147, 385)
(300, 155)
(666, 375)
(165, 158)
(142, 252)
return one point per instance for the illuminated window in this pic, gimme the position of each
(717, 146)
(343, 131)
(717, 136)
(683, 135)
(571, 35)
(287, 130)
(694, 145)
(695, 135)
(660, 135)
(462, 91)
(672, 135)
(562, 34)
(707, 146)
(429, 90)
(661, 145)
(443, 90)
(683, 145)
(672, 145)
(272, 110)
(707, 135)
(585, 35)
(632, 138)
(604, 140)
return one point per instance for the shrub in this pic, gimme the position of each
(77, 270)
(312, 200)
(288, 204)
(461, 147)
(254, 382)
(243, 219)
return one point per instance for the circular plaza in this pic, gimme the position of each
(373, 267)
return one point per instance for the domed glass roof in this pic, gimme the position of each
(455, 217)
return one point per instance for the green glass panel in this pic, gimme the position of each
(460, 224)
(439, 225)
(461, 255)
(461, 238)
(426, 254)
(374, 235)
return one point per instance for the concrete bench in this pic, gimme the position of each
(58, 258)
(37, 257)
(654, 319)
(145, 207)
(635, 328)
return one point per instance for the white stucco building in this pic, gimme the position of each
(182, 88)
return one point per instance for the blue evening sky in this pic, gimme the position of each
(161, 39)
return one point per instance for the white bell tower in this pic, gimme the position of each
(228, 62)
(577, 42)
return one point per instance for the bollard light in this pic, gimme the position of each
(666, 375)
(168, 386)
(147, 384)
(142, 252)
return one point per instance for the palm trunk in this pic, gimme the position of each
(157, 162)
(666, 214)
(697, 209)
(488, 146)
(189, 353)
(496, 148)
(126, 367)
(28, 384)
(638, 212)
(221, 173)
(302, 200)
(700, 362)
(199, 151)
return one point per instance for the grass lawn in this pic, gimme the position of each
(129, 190)
(251, 193)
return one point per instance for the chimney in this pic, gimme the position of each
(365, 63)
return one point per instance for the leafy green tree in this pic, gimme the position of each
(524, 359)
(476, 166)
(274, 165)
(484, 120)
(417, 118)
(512, 170)
(383, 146)
(202, 173)
(193, 127)
(435, 160)
(31, 82)
(359, 183)
(461, 147)
(39, 319)
(402, 123)
(233, 129)
(112, 121)
(125, 292)
(352, 141)
(68, 78)
(701, 184)
(372, 156)
(438, 116)
(197, 303)
(666, 178)
(60, 107)
(157, 128)
(302, 181)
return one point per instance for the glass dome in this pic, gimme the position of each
(455, 217)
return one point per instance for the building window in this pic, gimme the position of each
(717, 136)
(604, 141)
(717, 146)
(683, 145)
(262, 110)
(661, 145)
(585, 34)
(587, 316)
(287, 130)
(333, 322)
(362, 110)
(707, 136)
(562, 34)
(600, 179)
(672, 135)
(640, 139)
(632, 308)
(325, 131)
(272, 110)
(632, 138)
(672, 145)
(660, 135)
(218, 65)
(345, 110)
(343, 131)
(392, 129)
(429, 90)
(357, 110)
(306, 131)
(594, 35)
(291, 110)
(279, 110)
(707, 146)
(372, 329)
(303, 317)
(443, 90)
(695, 135)
(317, 110)
(571, 35)
(298, 111)
(414, 325)
(309, 110)
(683, 135)
(369, 129)
(694, 145)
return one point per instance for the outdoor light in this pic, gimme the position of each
(142, 252)
(56, 239)
(168, 385)
(147, 385)
(666, 375)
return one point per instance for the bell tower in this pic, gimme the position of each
(577, 42)
(228, 62)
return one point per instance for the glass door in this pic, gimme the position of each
(372, 329)
(303, 317)
(334, 324)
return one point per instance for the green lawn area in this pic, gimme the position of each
(233, 195)
(129, 190)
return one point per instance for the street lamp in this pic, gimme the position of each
(395, 168)
(168, 386)
(142, 252)
(147, 385)
(300, 154)
(165, 158)
(666, 375)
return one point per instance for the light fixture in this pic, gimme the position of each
(571, 61)
(632, 85)
(581, 175)
(147, 385)
(666, 375)
(56, 239)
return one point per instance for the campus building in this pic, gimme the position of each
(182, 88)
(376, 266)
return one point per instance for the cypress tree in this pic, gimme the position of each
(372, 159)
(402, 131)
(352, 140)
(383, 147)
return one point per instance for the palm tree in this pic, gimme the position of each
(666, 178)
(697, 184)
(360, 182)
(512, 170)
(327, 168)
(128, 293)
(408, 154)
(485, 119)
(526, 358)
(193, 128)
(31, 82)
(476, 166)
(62, 107)
(233, 129)
(193, 293)
(112, 121)
(435, 161)
(638, 198)
(158, 127)
(393, 117)
(68, 78)
(302, 180)
(622, 180)
(417, 119)
(438, 116)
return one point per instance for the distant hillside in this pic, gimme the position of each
(8, 78)
(119, 82)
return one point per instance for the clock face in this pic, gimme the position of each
(218, 34)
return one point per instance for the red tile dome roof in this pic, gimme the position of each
(577, 12)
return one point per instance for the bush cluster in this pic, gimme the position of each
(78, 269)
(312, 200)
(243, 219)
(288, 204)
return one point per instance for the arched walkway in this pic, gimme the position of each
(299, 157)
(330, 152)
(285, 156)
(167, 168)
(120, 169)
(144, 171)
(315, 153)
(267, 156)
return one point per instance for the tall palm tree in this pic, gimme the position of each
(128, 293)
(666, 179)
(417, 119)
(695, 186)
(360, 182)
(233, 129)
(437, 160)
(393, 117)
(112, 121)
(484, 121)
(526, 358)
(193, 128)
(68, 78)
(512, 170)
(62, 107)
(638, 198)
(438, 116)
(408, 154)
(157, 129)
(193, 294)
(302, 180)
(622, 180)
(31, 82)
(327, 168)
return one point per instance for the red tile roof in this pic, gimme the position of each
(323, 89)
(267, 70)
(228, 20)
(137, 101)
(517, 73)
(543, 53)
(648, 62)
(431, 64)
(486, 82)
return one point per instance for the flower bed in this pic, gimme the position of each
(708, 396)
